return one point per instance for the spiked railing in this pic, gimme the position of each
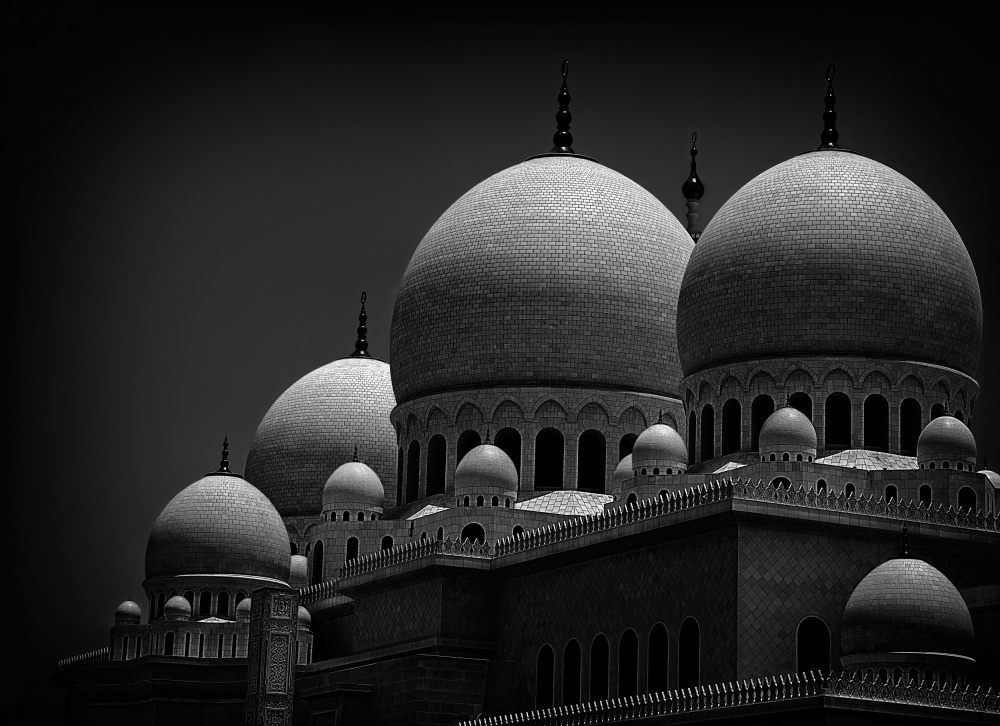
(661, 506)
(747, 692)
(93, 655)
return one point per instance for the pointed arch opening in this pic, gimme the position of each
(876, 423)
(399, 476)
(760, 409)
(909, 426)
(692, 439)
(838, 421)
(707, 433)
(437, 457)
(599, 668)
(657, 657)
(571, 673)
(317, 562)
(549, 459)
(543, 677)
(591, 455)
(732, 422)
(413, 472)
(352, 549)
(689, 654)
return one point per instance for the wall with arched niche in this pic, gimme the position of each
(854, 403)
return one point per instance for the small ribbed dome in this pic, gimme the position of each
(243, 609)
(505, 286)
(992, 477)
(788, 431)
(659, 447)
(486, 470)
(298, 570)
(797, 263)
(905, 606)
(177, 608)
(314, 426)
(128, 613)
(946, 439)
(623, 472)
(304, 618)
(220, 525)
(353, 485)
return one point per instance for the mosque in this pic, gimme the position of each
(616, 469)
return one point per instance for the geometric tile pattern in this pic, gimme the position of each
(869, 460)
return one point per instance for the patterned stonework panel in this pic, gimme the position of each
(830, 252)
(661, 583)
(271, 670)
(398, 615)
(312, 429)
(556, 270)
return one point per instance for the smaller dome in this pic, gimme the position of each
(905, 608)
(243, 609)
(303, 619)
(177, 608)
(788, 431)
(298, 572)
(622, 473)
(946, 439)
(486, 470)
(128, 613)
(353, 485)
(992, 477)
(659, 448)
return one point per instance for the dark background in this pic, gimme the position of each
(201, 194)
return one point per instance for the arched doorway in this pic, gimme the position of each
(474, 532)
(657, 659)
(628, 664)
(543, 677)
(571, 673)
(707, 433)
(599, 669)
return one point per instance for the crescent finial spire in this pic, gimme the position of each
(828, 140)
(693, 190)
(361, 344)
(563, 139)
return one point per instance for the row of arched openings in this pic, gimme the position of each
(204, 603)
(838, 426)
(598, 677)
(549, 460)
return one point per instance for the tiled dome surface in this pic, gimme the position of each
(790, 429)
(946, 437)
(313, 427)
(906, 605)
(830, 252)
(219, 525)
(656, 444)
(486, 468)
(557, 270)
(354, 483)
(128, 612)
(623, 471)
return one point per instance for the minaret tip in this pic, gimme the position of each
(693, 190)
(906, 543)
(361, 344)
(828, 140)
(563, 139)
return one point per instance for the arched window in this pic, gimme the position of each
(346, 517)
(689, 657)
(732, 419)
(508, 440)
(876, 423)
(159, 605)
(692, 436)
(361, 516)
(891, 494)
(496, 501)
(399, 477)
(801, 402)
(625, 445)
(821, 486)
(937, 410)
(466, 501)
(387, 542)
(549, 459)
(599, 669)
(909, 426)
(849, 490)
(238, 599)
(436, 459)
(967, 499)
(138, 646)
(812, 646)
(707, 433)
(914, 676)
(628, 664)
(897, 675)
(413, 472)
(838, 421)
(352, 549)
(168, 644)
(657, 658)
(760, 409)
(518, 530)
(590, 461)
(479, 500)
(124, 648)
(474, 532)
(925, 496)
(423, 536)
(440, 533)
(466, 443)
(189, 596)
(571, 674)
(543, 678)
(317, 562)
(222, 608)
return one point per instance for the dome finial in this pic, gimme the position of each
(693, 190)
(659, 416)
(361, 344)
(563, 139)
(223, 469)
(487, 434)
(829, 138)
(946, 409)
(906, 544)
(355, 452)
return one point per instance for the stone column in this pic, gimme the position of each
(270, 667)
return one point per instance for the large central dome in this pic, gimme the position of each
(556, 271)
(830, 253)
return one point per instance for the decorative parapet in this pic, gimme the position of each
(666, 504)
(93, 655)
(743, 693)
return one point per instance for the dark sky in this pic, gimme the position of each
(202, 194)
